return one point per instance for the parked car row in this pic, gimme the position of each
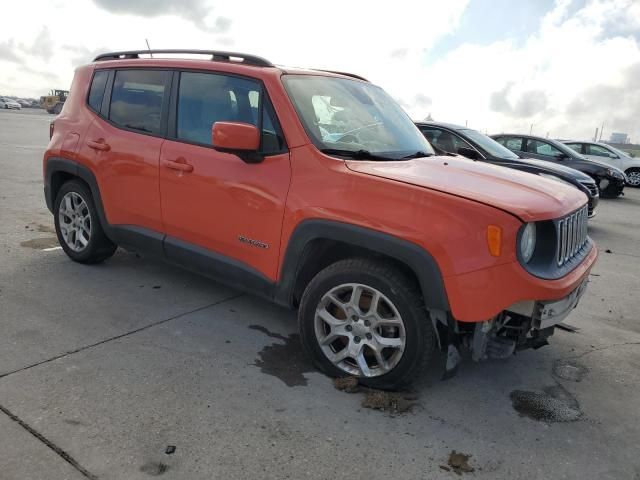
(477, 146)
(19, 103)
(8, 103)
(610, 180)
(315, 190)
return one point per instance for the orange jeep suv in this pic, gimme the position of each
(315, 190)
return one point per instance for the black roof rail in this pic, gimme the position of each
(216, 55)
(353, 75)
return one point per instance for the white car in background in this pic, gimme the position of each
(8, 103)
(604, 153)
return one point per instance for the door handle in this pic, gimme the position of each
(99, 145)
(180, 164)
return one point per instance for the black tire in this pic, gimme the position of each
(57, 108)
(420, 337)
(635, 172)
(99, 247)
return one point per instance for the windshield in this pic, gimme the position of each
(490, 145)
(620, 153)
(343, 116)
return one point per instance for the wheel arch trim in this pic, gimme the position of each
(416, 258)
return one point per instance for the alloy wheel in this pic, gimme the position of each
(360, 330)
(74, 219)
(634, 178)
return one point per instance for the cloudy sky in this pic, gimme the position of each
(565, 66)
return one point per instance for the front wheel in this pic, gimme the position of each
(365, 318)
(78, 227)
(633, 174)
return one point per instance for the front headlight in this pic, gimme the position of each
(528, 242)
(615, 174)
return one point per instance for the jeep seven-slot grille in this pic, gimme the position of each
(572, 235)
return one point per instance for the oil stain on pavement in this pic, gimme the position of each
(552, 405)
(569, 370)
(40, 243)
(284, 359)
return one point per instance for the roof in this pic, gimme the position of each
(450, 126)
(216, 58)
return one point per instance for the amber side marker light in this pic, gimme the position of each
(494, 240)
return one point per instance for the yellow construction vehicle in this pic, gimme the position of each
(53, 102)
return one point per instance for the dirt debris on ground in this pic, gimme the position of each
(393, 403)
(390, 402)
(347, 384)
(458, 463)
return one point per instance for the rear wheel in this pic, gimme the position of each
(78, 227)
(633, 174)
(365, 318)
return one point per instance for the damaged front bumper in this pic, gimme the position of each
(522, 325)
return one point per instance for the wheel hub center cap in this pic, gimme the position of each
(360, 330)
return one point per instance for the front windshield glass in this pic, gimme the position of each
(490, 145)
(620, 153)
(343, 116)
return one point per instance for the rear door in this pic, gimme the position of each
(216, 204)
(122, 144)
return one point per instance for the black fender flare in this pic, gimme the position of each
(416, 258)
(59, 164)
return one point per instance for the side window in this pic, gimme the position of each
(136, 99)
(542, 148)
(514, 144)
(444, 140)
(96, 92)
(598, 150)
(207, 98)
(575, 146)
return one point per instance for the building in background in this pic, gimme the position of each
(619, 138)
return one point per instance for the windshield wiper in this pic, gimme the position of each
(355, 154)
(418, 154)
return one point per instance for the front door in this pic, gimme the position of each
(214, 201)
(543, 151)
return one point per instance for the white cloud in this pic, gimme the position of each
(504, 87)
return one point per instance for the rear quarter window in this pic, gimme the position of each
(96, 91)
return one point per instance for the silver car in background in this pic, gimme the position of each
(8, 103)
(601, 152)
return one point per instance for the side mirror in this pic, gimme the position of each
(613, 155)
(241, 139)
(469, 153)
(562, 156)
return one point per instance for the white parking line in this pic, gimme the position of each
(51, 249)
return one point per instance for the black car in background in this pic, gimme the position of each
(610, 180)
(472, 144)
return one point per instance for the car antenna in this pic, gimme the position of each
(148, 47)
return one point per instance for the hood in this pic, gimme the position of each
(559, 169)
(603, 165)
(522, 194)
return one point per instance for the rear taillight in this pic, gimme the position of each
(51, 130)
